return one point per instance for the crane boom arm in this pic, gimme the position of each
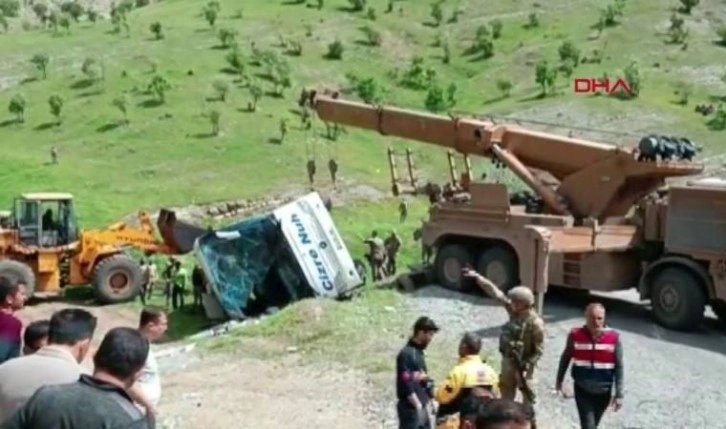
(579, 165)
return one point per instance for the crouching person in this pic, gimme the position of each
(471, 379)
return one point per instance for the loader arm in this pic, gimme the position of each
(580, 165)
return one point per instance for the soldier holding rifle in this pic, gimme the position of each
(521, 342)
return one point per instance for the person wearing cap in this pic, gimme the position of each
(521, 341)
(413, 384)
(470, 377)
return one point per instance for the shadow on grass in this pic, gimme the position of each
(46, 126)
(28, 80)
(495, 99)
(274, 140)
(150, 103)
(293, 2)
(108, 127)
(82, 84)
(207, 135)
(8, 122)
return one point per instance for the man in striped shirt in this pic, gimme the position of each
(597, 364)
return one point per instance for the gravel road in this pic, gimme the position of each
(672, 380)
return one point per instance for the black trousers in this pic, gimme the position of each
(591, 407)
(409, 418)
(177, 296)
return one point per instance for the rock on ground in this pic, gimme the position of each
(672, 380)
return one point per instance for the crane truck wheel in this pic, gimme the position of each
(500, 265)
(450, 260)
(719, 308)
(117, 278)
(16, 271)
(678, 300)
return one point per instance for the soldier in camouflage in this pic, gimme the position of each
(376, 255)
(521, 342)
(393, 245)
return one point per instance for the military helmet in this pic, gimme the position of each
(521, 293)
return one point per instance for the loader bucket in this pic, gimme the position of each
(178, 234)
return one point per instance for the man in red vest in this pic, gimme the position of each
(597, 365)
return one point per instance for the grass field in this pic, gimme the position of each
(166, 156)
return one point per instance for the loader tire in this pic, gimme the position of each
(500, 265)
(450, 260)
(116, 279)
(678, 299)
(16, 271)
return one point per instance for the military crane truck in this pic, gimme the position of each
(604, 224)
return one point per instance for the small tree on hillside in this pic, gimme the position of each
(256, 94)
(159, 86)
(437, 13)
(721, 33)
(17, 107)
(92, 15)
(65, 24)
(568, 51)
(156, 30)
(41, 11)
(227, 37)
(688, 5)
(221, 87)
(41, 61)
(210, 12)
(545, 76)
(374, 37)
(677, 33)
(9, 8)
(335, 50)
(496, 28)
(56, 107)
(532, 20)
(4, 23)
(92, 69)
(122, 104)
(236, 61)
(632, 76)
(505, 86)
(74, 10)
(358, 5)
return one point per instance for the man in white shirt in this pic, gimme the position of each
(69, 337)
(146, 392)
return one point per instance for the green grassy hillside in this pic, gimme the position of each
(167, 155)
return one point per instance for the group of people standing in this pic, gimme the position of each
(175, 278)
(45, 384)
(382, 254)
(474, 395)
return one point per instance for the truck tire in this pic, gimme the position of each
(16, 271)
(500, 265)
(450, 260)
(116, 279)
(678, 300)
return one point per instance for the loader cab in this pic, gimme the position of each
(45, 219)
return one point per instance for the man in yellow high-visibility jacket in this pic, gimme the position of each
(470, 377)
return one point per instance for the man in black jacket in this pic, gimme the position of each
(413, 385)
(98, 401)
